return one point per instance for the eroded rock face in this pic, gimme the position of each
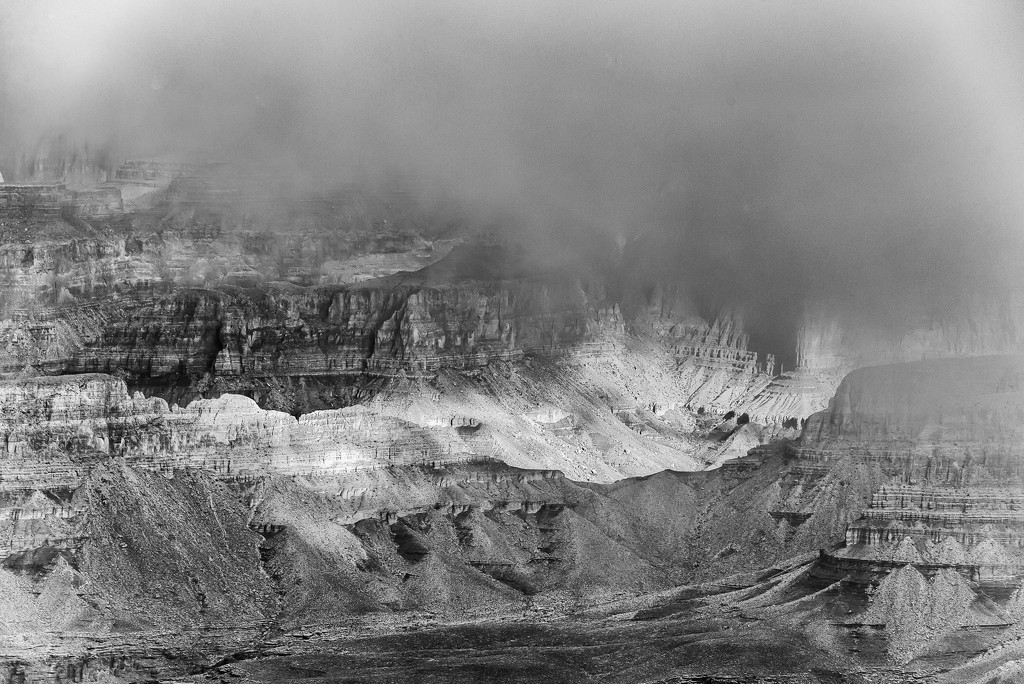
(206, 423)
(169, 519)
(210, 284)
(146, 551)
(55, 429)
(333, 341)
(911, 481)
(946, 437)
(148, 504)
(906, 493)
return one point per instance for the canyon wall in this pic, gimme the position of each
(946, 439)
(31, 202)
(54, 430)
(130, 513)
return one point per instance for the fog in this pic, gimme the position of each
(869, 154)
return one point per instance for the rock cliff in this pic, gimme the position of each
(947, 437)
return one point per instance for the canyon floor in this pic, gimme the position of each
(772, 628)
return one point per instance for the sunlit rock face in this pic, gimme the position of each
(121, 513)
(55, 430)
(715, 368)
(723, 371)
(124, 492)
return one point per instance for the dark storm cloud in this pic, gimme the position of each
(768, 151)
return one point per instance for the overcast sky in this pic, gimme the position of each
(772, 149)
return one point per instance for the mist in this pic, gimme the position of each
(868, 155)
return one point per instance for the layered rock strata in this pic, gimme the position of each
(35, 202)
(249, 341)
(909, 481)
(947, 438)
(714, 368)
(54, 430)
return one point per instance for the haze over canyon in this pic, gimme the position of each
(539, 341)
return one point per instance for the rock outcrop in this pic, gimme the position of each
(946, 438)
(55, 429)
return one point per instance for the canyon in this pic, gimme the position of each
(258, 437)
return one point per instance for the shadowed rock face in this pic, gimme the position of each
(208, 283)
